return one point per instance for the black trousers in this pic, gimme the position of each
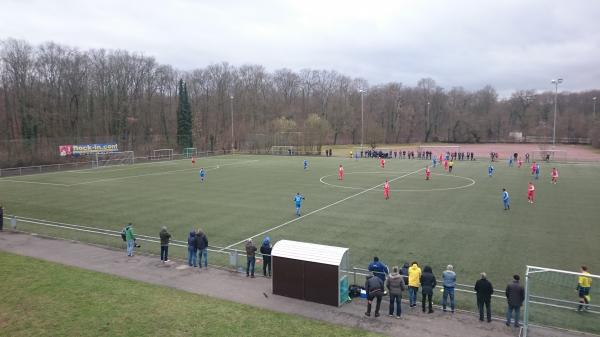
(487, 302)
(266, 266)
(370, 300)
(428, 297)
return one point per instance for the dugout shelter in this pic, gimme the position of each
(310, 272)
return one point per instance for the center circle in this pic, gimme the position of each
(468, 182)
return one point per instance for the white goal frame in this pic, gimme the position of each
(190, 152)
(113, 158)
(551, 302)
(283, 150)
(555, 155)
(162, 154)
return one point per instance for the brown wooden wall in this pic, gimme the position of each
(305, 280)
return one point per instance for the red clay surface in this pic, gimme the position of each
(574, 152)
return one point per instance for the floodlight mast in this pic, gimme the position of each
(594, 114)
(362, 119)
(232, 141)
(556, 82)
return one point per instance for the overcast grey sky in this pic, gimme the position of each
(509, 44)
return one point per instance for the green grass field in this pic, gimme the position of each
(48, 299)
(454, 219)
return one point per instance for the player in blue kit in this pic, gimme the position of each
(490, 170)
(202, 174)
(505, 199)
(298, 198)
(305, 164)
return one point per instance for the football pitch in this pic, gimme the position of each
(455, 218)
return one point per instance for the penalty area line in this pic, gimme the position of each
(320, 209)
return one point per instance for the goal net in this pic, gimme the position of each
(190, 152)
(113, 158)
(283, 150)
(552, 298)
(549, 155)
(162, 154)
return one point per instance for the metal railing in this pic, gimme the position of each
(236, 258)
(92, 164)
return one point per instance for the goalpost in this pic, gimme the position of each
(190, 152)
(162, 154)
(549, 155)
(113, 158)
(283, 150)
(552, 298)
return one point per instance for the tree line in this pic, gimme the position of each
(52, 94)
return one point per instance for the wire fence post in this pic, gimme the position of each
(526, 313)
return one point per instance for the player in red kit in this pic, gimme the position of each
(386, 189)
(446, 165)
(382, 163)
(520, 162)
(341, 172)
(533, 166)
(193, 160)
(427, 173)
(530, 193)
(554, 175)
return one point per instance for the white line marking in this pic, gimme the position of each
(320, 209)
(158, 173)
(471, 183)
(34, 182)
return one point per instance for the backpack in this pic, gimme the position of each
(354, 291)
(123, 235)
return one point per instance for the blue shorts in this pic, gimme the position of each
(584, 291)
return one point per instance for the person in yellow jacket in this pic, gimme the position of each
(583, 286)
(414, 282)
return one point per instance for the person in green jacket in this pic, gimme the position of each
(164, 244)
(130, 238)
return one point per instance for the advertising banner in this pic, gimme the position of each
(86, 149)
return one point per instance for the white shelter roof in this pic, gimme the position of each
(311, 252)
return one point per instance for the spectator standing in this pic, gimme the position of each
(404, 272)
(484, 291)
(192, 247)
(265, 250)
(449, 278)
(379, 269)
(428, 283)
(374, 289)
(202, 247)
(130, 238)
(164, 244)
(515, 295)
(250, 258)
(395, 285)
(414, 282)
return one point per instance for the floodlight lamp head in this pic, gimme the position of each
(231, 96)
(594, 98)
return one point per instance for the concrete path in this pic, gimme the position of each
(236, 287)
